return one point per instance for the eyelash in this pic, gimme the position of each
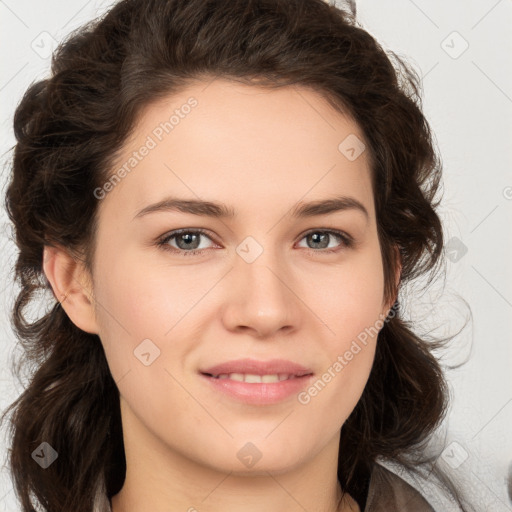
(347, 241)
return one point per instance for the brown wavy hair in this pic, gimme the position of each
(69, 128)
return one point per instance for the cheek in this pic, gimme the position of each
(153, 291)
(138, 301)
(143, 299)
(352, 301)
(130, 309)
(353, 309)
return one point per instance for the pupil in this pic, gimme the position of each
(188, 238)
(316, 237)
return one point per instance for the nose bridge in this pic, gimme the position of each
(261, 265)
(263, 298)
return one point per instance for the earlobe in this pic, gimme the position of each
(71, 286)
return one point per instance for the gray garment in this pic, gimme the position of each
(388, 492)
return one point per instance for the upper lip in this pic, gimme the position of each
(255, 367)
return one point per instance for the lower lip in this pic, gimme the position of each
(259, 393)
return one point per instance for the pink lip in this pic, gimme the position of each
(259, 393)
(256, 367)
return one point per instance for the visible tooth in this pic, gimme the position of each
(252, 378)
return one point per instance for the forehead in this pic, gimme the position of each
(241, 143)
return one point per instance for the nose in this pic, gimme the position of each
(261, 298)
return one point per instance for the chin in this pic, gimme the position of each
(257, 459)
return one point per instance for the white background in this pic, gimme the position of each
(467, 100)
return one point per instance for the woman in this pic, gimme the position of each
(224, 198)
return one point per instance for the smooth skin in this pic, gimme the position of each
(260, 152)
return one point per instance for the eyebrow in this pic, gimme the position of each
(220, 210)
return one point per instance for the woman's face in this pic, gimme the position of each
(264, 284)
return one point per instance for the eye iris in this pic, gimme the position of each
(188, 237)
(316, 239)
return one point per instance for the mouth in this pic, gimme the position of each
(240, 369)
(257, 390)
(252, 378)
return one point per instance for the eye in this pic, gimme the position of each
(320, 240)
(188, 241)
(185, 239)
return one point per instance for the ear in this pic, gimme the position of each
(72, 287)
